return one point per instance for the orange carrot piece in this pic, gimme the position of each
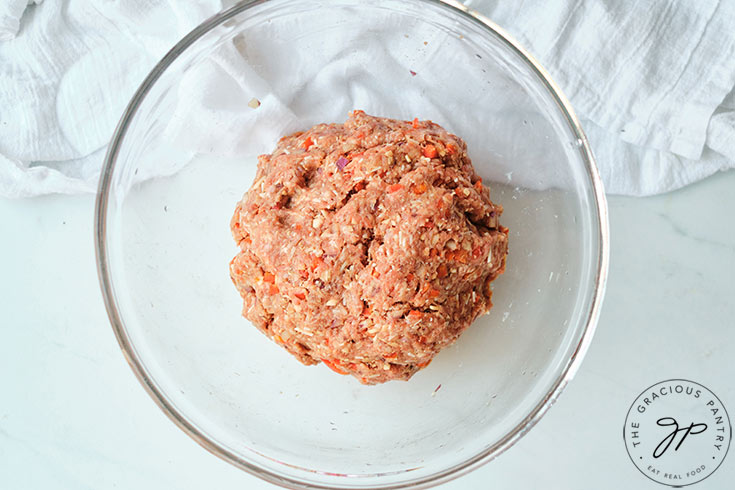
(441, 271)
(430, 151)
(333, 366)
(316, 262)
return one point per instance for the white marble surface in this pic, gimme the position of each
(73, 416)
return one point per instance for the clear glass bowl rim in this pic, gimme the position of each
(441, 476)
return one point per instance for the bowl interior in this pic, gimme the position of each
(167, 242)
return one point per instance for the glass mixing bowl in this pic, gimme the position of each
(183, 155)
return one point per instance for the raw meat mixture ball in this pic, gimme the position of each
(368, 246)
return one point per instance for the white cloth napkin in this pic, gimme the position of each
(650, 81)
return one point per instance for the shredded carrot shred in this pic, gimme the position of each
(415, 314)
(333, 365)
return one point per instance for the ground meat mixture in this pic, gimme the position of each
(368, 246)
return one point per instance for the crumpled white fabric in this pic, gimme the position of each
(66, 78)
(650, 81)
(10, 13)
